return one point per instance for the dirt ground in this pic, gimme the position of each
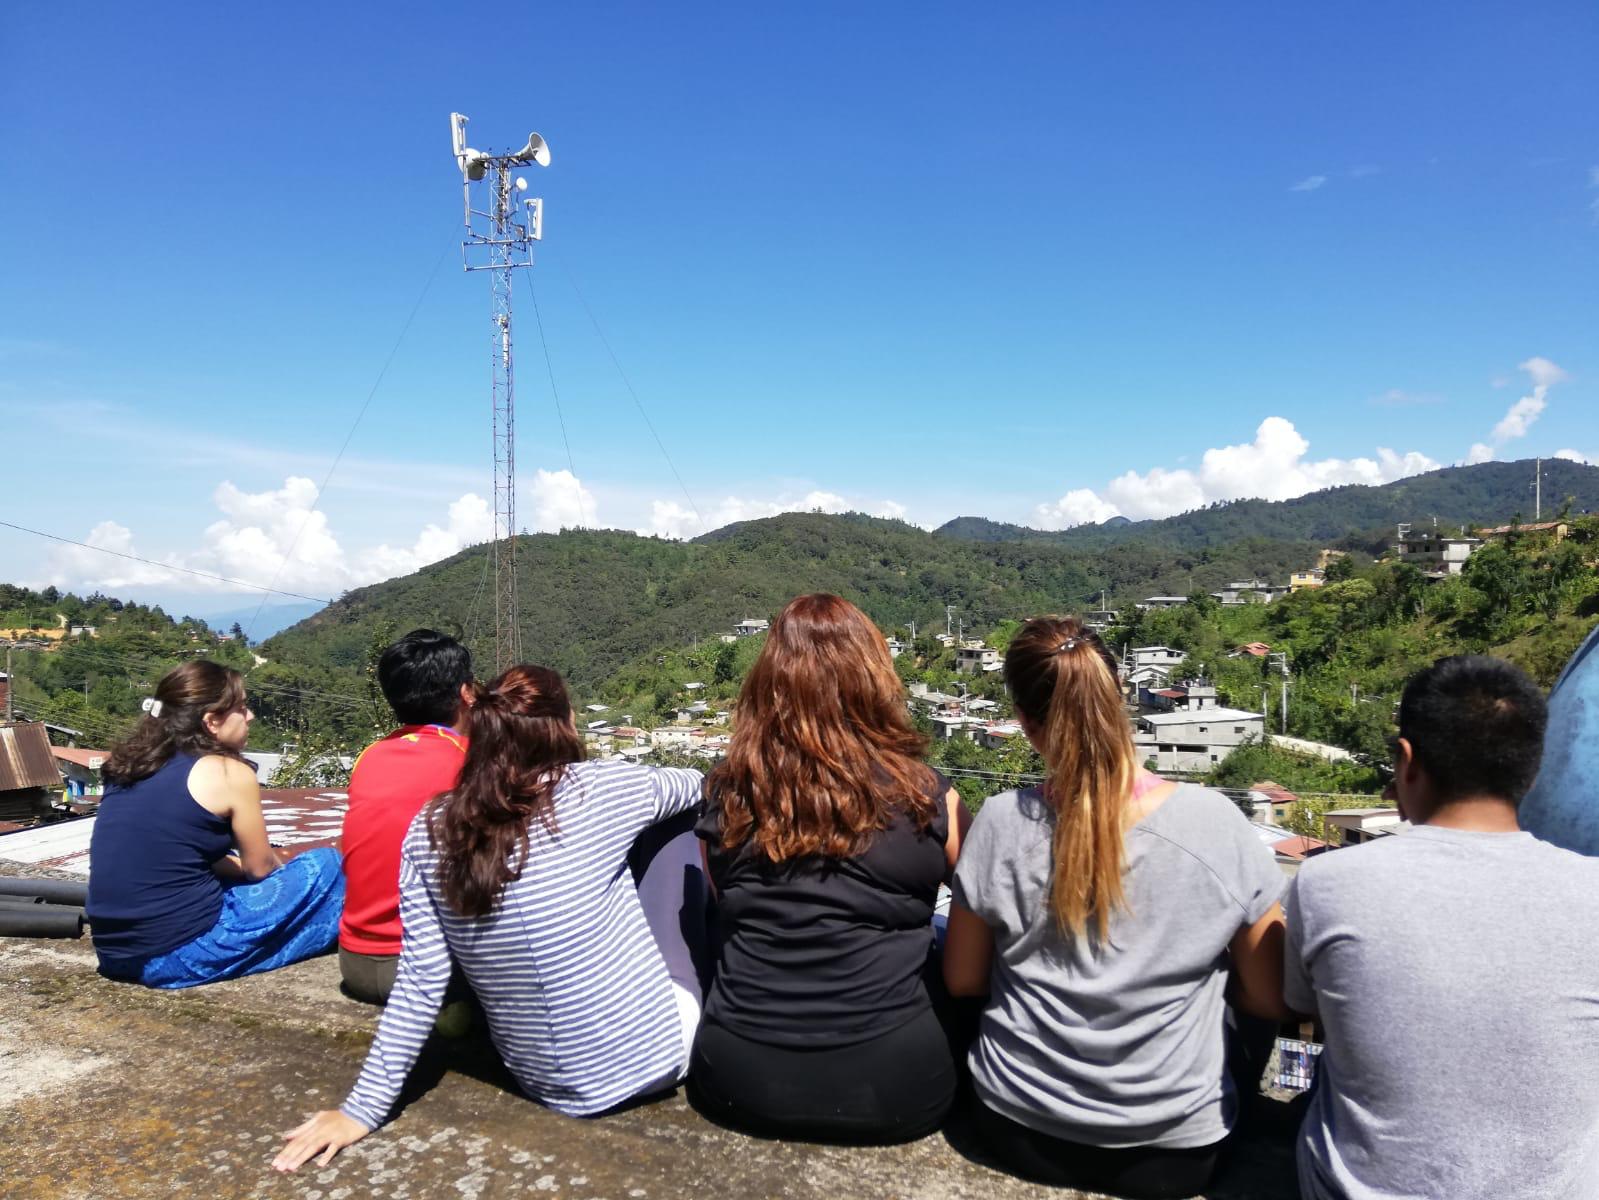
(111, 1090)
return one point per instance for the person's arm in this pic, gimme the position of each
(960, 820)
(1299, 989)
(1257, 977)
(228, 788)
(677, 789)
(419, 985)
(968, 952)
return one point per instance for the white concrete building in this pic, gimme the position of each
(974, 658)
(1194, 739)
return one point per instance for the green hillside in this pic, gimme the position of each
(594, 600)
(1485, 494)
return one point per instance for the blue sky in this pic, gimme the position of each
(909, 258)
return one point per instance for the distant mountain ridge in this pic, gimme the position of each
(1486, 493)
(595, 600)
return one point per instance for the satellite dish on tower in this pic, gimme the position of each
(537, 150)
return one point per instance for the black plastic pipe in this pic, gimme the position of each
(53, 891)
(41, 921)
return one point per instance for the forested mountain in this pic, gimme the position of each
(1488, 493)
(593, 600)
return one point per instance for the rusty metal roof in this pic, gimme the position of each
(25, 758)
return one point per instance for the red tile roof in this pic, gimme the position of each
(81, 757)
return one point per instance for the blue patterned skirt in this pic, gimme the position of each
(291, 914)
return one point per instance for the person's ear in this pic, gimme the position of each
(468, 695)
(1407, 775)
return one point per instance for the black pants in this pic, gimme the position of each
(894, 1088)
(1138, 1173)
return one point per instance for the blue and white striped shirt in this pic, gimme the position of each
(578, 999)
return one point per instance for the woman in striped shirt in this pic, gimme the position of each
(518, 874)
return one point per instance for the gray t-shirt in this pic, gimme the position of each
(1120, 1044)
(1456, 977)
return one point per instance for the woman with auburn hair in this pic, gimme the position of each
(826, 839)
(1102, 914)
(521, 875)
(184, 887)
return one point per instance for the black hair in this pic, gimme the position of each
(1476, 726)
(421, 677)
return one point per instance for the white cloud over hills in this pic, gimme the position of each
(1519, 417)
(1271, 467)
(671, 519)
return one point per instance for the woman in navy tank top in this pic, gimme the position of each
(184, 887)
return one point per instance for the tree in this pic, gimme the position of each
(1340, 569)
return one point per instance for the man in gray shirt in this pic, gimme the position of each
(1453, 967)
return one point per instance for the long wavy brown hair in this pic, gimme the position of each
(520, 740)
(1063, 680)
(187, 694)
(823, 753)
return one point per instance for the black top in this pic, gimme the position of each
(820, 951)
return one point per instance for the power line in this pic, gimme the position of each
(639, 404)
(168, 566)
(549, 367)
(354, 425)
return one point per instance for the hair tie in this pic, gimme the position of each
(152, 706)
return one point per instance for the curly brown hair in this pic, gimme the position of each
(187, 694)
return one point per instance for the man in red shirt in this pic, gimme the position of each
(427, 679)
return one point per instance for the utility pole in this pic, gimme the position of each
(1537, 490)
(499, 239)
(1280, 660)
(949, 620)
(10, 684)
(911, 625)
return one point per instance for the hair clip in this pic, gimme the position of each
(1069, 644)
(151, 705)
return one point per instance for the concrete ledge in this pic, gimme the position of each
(111, 1090)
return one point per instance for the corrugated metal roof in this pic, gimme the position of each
(25, 758)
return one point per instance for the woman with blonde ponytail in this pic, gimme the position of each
(1103, 914)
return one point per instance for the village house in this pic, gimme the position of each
(750, 626)
(1251, 650)
(974, 658)
(1558, 528)
(81, 769)
(1149, 602)
(29, 779)
(1313, 578)
(1438, 555)
(1191, 740)
(1357, 825)
(1249, 591)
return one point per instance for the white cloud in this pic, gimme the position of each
(1272, 467)
(1309, 184)
(560, 501)
(670, 519)
(1400, 398)
(1080, 506)
(1544, 373)
(1575, 456)
(1362, 170)
(470, 523)
(273, 538)
(1519, 418)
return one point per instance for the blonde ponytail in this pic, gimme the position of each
(1063, 680)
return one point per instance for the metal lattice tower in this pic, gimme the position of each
(499, 239)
